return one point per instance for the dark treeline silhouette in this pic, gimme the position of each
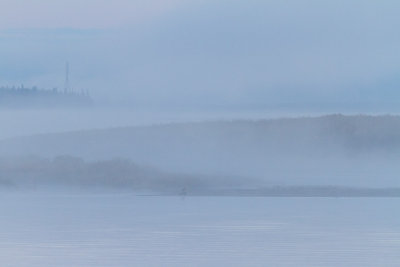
(21, 96)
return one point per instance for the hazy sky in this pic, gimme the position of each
(206, 54)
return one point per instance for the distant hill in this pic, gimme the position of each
(334, 149)
(72, 174)
(67, 172)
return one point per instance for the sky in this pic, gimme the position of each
(204, 54)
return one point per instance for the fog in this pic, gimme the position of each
(330, 150)
(199, 133)
(208, 55)
(206, 89)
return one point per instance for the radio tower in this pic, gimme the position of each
(66, 88)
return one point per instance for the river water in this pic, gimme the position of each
(127, 230)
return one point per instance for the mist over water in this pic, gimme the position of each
(318, 150)
(199, 133)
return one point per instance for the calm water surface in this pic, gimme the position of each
(127, 230)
